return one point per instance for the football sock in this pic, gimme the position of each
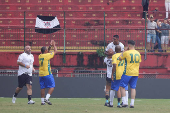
(127, 97)
(132, 102)
(112, 94)
(124, 100)
(107, 97)
(42, 100)
(48, 96)
(15, 94)
(29, 97)
(118, 99)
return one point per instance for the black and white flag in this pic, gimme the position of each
(47, 24)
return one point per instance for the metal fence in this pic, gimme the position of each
(81, 31)
(86, 74)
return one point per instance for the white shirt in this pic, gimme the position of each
(26, 59)
(108, 62)
(112, 46)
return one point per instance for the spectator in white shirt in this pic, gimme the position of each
(25, 62)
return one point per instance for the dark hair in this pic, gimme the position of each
(165, 18)
(116, 36)
(43, 49)
(156, 20)
(131, 42)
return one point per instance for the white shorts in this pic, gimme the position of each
(164, 39)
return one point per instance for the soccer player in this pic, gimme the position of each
(25, 62)
(115, 42)
(46, 78)
(117, 71)
(132, 62)
(108, 62)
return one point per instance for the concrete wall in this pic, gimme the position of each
(86, 88)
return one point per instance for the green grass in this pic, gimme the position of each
(82, 105)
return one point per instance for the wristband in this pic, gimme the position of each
(25, 65)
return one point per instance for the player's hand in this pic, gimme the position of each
(27, 66)
(52, 42)
(127, 48)
(33, 70)
(112, 78)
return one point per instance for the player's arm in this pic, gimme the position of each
(113, 70)
(55, 48)
(49, 48)
(114, 63)
(123, 54)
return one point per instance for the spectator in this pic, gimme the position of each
(145, 4)
(158, 36)
(151, 33)
(165, 34)
(167, 7)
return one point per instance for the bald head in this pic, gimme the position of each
(28, 49)
(118, 49)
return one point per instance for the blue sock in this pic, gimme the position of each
(118, 103)
(107, 101)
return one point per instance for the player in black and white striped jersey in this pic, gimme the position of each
(108, 62)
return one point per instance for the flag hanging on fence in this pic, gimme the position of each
(47, 24)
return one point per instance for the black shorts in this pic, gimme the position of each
(109, 80)
(24, 79)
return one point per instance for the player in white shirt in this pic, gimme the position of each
(113, 44)
(108, 62)
(25, 62)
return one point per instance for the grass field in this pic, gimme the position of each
(82, 105)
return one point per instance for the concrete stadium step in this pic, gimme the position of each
(77, 22)
(86, 35)
(57, 7)
(78, 2)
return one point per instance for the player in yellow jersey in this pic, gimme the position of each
(46, 78)
(117, 72)
(132, 62)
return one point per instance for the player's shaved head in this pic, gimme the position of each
(118, 49)
(28, 49)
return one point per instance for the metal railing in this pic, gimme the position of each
(81, 31)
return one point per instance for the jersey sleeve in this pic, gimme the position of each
(20, 58)
(124, 55)
(105, 60)
(108, 47)
(50, 55)
(114, 60)
(122, 48)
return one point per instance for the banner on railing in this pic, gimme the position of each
(47, 24)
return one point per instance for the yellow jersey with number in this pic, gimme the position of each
(44, 64)
(132, 62)
(119, 66)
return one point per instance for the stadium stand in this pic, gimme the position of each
(80, 14)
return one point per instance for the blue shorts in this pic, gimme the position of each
(126, 88)
(47, 81)
(115, 85)
(132, 80)
(151, 36)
